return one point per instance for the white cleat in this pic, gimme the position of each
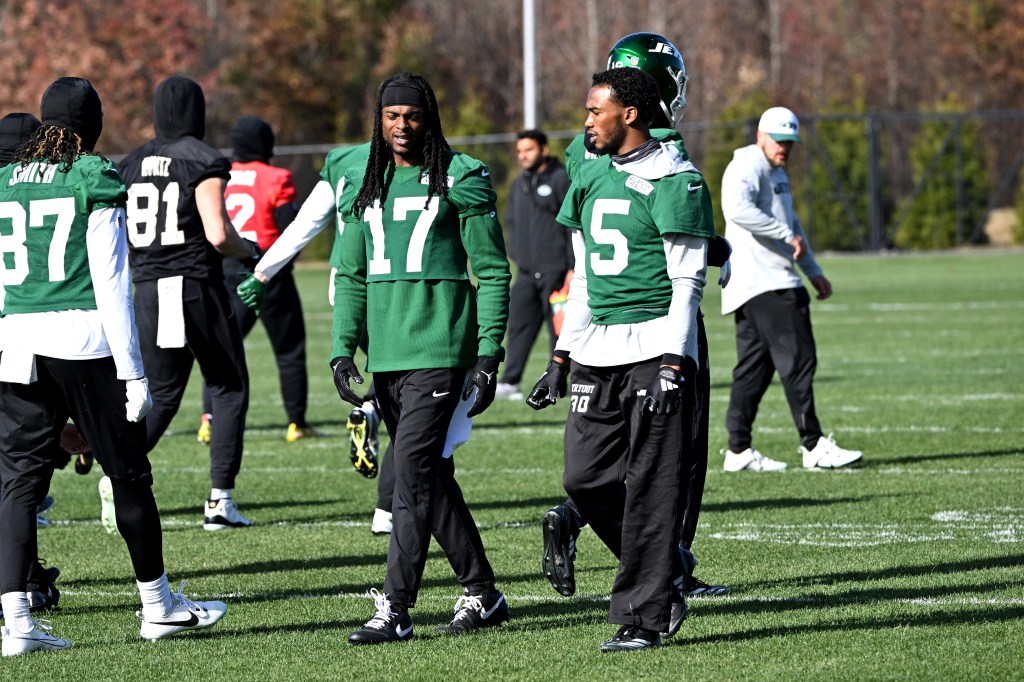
(185, 615)
(751, 460)
(36, 639)
(108, 517)
(223, 514)
(381, 522)
(508, 391)
(827, 455)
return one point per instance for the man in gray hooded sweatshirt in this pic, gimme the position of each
(179, 232)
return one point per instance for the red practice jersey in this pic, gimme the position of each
(253, 192)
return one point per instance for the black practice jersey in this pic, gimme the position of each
(165, 232)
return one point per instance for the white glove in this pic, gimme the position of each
(724, 274)
(140, 402)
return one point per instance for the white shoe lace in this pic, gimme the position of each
(180, 598)
(465, 605)
(43, 624)
(384, 614)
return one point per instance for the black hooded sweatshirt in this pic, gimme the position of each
(165, 232)
(15, 130)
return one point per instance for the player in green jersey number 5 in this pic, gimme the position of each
(641, 220)
(413, 218)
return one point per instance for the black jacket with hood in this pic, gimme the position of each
(165, 231)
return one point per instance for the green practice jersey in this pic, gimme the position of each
(623, 218)
(402, 267)
(44, 218)
(338, 162)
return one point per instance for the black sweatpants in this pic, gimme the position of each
(216, 344)
(773, 333)
(417, 407)
(31, 419)
(609, 440)
(529, 307)
(281, 315)
(696, 431)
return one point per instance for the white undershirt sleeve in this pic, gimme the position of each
(687, 268)
(315, 214)
(107, 245)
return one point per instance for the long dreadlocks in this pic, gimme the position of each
(381, 159)
(52, 144)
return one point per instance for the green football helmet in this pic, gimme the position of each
(660, 59)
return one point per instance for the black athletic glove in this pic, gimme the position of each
(552, 384)
(344, 370)
(254, 258)
(665, 392)
(483, 377)
(719, 250)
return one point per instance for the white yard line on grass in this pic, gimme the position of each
(823, 600)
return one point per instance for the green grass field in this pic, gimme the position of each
(908, 567)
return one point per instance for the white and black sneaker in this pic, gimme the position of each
(38, 638)
(382, 522)
(473, 612)
(387, 625)
(695, 587)
(184, 615)
(223, 514)
(560, 532)
(632, 638)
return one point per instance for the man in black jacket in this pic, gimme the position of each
(539, 247)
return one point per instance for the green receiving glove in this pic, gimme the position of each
(251, 292)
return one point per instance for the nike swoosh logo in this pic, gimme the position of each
(693, 188)
(193, 620)
(402, 633)
(490, 612)
(440, 395)
(484, 173)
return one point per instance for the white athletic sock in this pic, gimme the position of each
(16, 614)
(156, 598)
(220, 494)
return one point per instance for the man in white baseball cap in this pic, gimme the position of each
(769, 301)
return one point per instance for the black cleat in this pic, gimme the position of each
(632, 638)
(695, 587)
(363, 442)
(679, 610)
(473, 612)
(387, 625)
(560, 532)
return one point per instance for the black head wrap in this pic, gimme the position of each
(402, 95)
(74, 104)
(179, 109)
(15, 130)
(252, 139)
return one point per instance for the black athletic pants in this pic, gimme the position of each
(31, 419)
(417, 407)
(773, 333)
(609, 440)
(216, 344)
(696, 458)
(529, 308)
(281, 315)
